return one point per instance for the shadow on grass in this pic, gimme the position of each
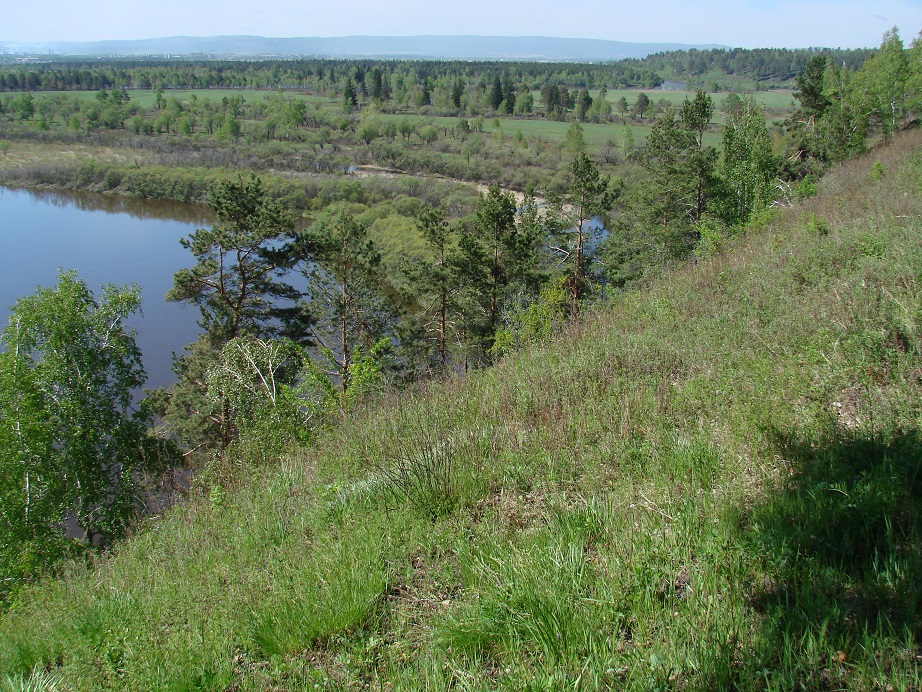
(841, 590)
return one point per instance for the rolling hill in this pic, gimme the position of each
(444, 47)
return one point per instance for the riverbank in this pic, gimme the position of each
(387, 204)
(119, 171)
(124, 171)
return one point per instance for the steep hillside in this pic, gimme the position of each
(714, 483)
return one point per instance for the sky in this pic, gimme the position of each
(743, 23)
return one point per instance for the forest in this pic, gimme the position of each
(318, 76)
(770, 65)
(386, 231)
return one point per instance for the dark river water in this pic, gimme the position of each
(107, 240)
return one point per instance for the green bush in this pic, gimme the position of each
(816, 226)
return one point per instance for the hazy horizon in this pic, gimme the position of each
(746, 24)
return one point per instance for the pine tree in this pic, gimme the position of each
(233, 282)
(377, 85)
(234, 285)
(343, 269)
(583, 104)
(350, 97)
(813, 102)
(508, 94)
(641, 105)
(589, 194)
(696, 116)
(496, 93)
(457, 91)
(435, 283)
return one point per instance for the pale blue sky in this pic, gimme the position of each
(746, 23)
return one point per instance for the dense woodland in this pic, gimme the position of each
(321, 293)
(380, 78)
(376, 77)
(770, 65)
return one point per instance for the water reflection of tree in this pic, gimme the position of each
(135, 207)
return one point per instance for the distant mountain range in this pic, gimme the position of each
(449, 47)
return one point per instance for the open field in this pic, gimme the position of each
(147, 97)
(553, 131)
(23, 155)
(550, 130)
(776, 98)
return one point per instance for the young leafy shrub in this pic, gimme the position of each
(816, 226)
(532, 322)
(806, 188)
(255, 378)
(713, 236)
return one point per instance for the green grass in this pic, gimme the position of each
(554, 131)
(550, 130)
(147, 97)
(775, 98)
(711, 483)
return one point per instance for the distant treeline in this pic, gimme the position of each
(323, 76)
(760, 64)
(318, 75)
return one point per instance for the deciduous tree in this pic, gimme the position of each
(257, 376)
(72, 440)
(882, 85)
(749, 167)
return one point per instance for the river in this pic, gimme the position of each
(107, 240)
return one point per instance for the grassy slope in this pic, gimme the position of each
(711, 484)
